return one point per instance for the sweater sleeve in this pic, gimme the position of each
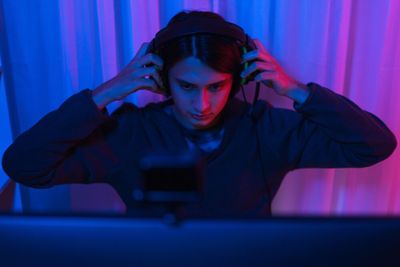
(327, 131)
(68, 145)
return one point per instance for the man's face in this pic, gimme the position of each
(199, 92)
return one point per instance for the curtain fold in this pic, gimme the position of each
(53, 49)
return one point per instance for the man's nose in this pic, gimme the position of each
(202, 102)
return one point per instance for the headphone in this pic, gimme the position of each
(197, 23)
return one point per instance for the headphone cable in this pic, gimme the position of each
(254, 116)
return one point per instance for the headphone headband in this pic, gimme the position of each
(201, 24)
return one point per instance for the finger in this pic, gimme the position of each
(131, 86)
(265, 76)
(156, 77)
(260, 46)
(147, 60)
(142, 51)
(144, 72)
(144, 83)
(258, 66)
(150, 85)
(257, 55)
(147, 73)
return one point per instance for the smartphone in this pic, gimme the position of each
(170, 177)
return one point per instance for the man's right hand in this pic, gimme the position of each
(135, 76)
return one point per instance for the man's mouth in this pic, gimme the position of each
(201, 116)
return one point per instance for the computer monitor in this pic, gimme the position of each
(122, 241)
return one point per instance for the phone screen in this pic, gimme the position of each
(171, 177)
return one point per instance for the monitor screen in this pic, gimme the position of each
(113, 241)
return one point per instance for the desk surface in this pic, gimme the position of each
(280, 241)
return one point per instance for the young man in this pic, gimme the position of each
(248, 149)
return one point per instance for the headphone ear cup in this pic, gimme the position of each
(164, 79)
(249, 45)
(244, 81)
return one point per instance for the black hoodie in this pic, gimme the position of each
(78, 143)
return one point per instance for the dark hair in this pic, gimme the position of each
(220, 53)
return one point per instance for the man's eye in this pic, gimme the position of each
(216, 87)
(186, 86)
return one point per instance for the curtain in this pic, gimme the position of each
(53, 49)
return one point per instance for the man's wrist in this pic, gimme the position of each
(298, 93)
(100, 98)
